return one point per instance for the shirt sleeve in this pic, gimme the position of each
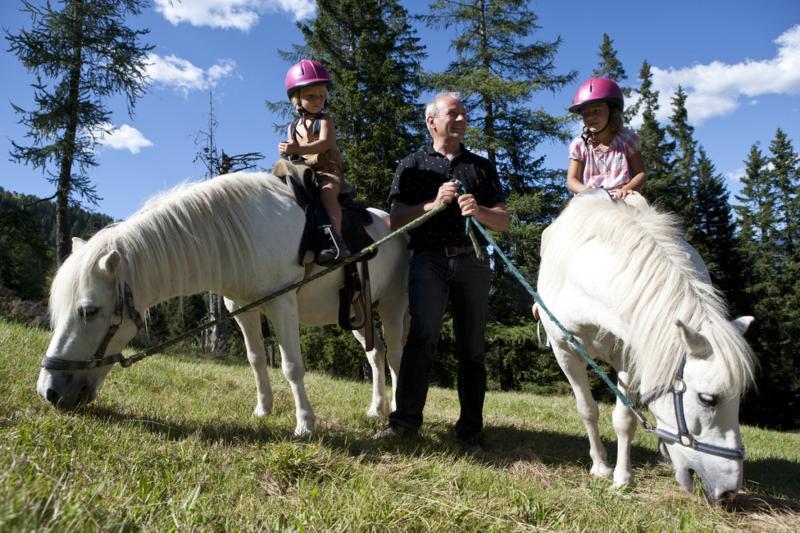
(399, 190)
(632, 143)
(490, 191)
(576, 149)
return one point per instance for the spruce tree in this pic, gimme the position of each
(499, 67)
(760, 243)
(80, 56)
(609, 66)
(656, 149)
(373, 56)
(714, 235)
(684, 168)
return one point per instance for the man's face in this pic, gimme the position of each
(450, 122)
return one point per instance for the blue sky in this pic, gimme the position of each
(739, 61)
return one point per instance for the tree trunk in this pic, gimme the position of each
(63, 228)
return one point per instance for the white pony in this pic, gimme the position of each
(236, 235)
(636, 295)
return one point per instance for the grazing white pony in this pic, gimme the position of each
(635, 294)
(237, 235)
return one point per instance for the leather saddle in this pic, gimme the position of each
(355, 298)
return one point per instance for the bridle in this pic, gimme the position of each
(683, 437)
(99, 359)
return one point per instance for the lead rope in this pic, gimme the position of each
(128, 361)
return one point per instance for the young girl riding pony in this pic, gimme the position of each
(312, 137)
(606, 155)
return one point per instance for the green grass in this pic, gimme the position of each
(170, 444)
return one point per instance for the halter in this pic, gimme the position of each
(683, 437)
(99, 359)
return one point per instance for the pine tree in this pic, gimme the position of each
(498, 68)
(714, 236)
(759, 244)
(785, 172)
(684, 164)
(373, 56)
(88, 54)
(656, 149)
(611, 67)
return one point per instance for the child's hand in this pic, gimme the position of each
(287, 148)
(619, 194)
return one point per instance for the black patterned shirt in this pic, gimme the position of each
(417, 180)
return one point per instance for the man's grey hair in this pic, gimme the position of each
(432, 110)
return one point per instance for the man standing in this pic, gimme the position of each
(444, 266)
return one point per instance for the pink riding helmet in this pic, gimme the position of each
(304, 73)
(597, 90)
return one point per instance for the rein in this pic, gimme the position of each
(99, 359)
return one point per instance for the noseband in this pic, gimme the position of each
(683, 437)
(99, 358)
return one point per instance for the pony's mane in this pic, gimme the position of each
(656, 283)
(195, 225)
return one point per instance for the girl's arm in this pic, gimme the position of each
(636, 166)
(326, 140)
(574, 172)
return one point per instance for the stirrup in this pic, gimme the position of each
(337, 249)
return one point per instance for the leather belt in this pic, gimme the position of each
(453, 251)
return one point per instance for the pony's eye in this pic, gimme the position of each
(87, 312)
(709, 400)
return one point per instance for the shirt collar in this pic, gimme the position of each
(428, 148)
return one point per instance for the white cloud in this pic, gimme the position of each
(183, 76)
(735, 175)
(717, 88)
(226, 14)
(123, 138)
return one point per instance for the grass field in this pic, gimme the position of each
(170, 444)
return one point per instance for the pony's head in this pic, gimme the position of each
(698, 416)
(86, 304)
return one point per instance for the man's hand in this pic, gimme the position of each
(469, 206)
(447, 193)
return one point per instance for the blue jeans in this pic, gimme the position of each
(433, 281)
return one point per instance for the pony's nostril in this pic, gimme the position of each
(53, 397)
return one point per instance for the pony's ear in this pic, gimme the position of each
(109, 263)
(697, 345)
(742, 323)
(77, 244)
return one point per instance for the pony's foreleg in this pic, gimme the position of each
(396, 320)
(250, 324)
(625, 427)
(575, 370)
(282, 313)
(377, 361)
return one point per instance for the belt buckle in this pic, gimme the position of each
(453, 251)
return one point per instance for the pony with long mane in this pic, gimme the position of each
(623, 280)
(236, 235)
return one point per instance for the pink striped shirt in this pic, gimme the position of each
(608, 168)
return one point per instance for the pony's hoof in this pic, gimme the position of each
(623, 479)
(261, 410)
(303, 430)
(381, 411)
(601, 470)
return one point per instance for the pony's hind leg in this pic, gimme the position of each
(377, 361)
(575, 370)
(250, 324)
(396, 320)
(625, 427)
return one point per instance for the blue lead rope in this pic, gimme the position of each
(570, 337)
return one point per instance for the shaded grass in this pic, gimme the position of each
(171, 444)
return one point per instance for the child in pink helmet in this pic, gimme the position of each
(312, 137)
(606, 155)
